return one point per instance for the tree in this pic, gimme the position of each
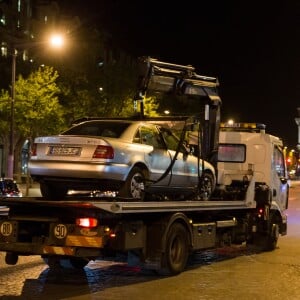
(37, 108)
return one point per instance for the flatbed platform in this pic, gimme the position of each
(120, 206)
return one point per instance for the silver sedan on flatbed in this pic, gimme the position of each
(136, 158)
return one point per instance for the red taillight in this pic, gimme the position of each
(33, 149)
(260, 212)
(87, 222)
(104, 152)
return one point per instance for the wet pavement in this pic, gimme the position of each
(228, 273)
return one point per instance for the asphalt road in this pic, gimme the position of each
(229, 273)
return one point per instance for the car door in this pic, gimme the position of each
(157, 157)
(185, 167)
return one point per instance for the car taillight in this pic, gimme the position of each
(104, 152)
(33, 149)
(87, 222)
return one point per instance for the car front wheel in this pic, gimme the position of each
(206, 186)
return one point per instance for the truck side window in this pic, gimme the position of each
(232, 153)
(278, 162)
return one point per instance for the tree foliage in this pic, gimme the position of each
(5, 105)
(93, 80)
(37, 107)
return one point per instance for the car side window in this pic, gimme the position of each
(170, 139)
(149, 136)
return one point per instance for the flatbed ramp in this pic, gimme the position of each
(119, 206)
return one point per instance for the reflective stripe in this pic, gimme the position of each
(77, 240)
(58, 250)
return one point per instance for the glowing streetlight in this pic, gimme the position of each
(56, 41)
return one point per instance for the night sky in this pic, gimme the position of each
(253, 47)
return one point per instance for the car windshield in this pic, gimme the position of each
(98, 128)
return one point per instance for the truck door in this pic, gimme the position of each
(280, 189)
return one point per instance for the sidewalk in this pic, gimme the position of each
(33, 190)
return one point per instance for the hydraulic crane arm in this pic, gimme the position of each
(182, 80)
(161, 76)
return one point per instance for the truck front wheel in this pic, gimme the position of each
(176, 250)
(267, 241)
(272, 238)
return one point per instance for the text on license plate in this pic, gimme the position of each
(60, 150)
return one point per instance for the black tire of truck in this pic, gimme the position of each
(53, 192)
(65, 263)
(176, 252)
(267, 241)
(272, 238)
(134, 185)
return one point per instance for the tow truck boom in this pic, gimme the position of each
(182, 80)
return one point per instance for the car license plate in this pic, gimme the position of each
(63, 151)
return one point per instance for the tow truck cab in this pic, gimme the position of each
(246, 154)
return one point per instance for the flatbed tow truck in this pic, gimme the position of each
(247, 207)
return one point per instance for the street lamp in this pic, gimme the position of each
(10, 160)
(55, 41)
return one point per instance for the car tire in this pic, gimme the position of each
(52, 192)
(206, 186)
(134, 185)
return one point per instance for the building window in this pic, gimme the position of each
(3, 50)
(2, 19)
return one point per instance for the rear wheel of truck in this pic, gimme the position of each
(78, 263)
(67, 263)
(53, 192)
(176, 251)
